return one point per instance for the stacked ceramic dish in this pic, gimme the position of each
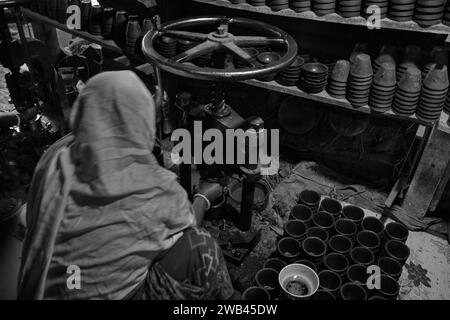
(277, 5)
(257, 3)
(313, 77)
(360, 80)
(290, 75)
(330, 62)
(301, 5)
(408, 93)
(434, 93)
(429, 12)
(348, 8)
(267, 58)
(167, 46)
(382, 4)
(185, 45)
(401, 10)
(323, 7)
(337, 81)
(383, 88)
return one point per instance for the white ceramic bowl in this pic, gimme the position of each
(302, 273)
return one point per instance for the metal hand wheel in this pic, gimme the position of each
(220, 40)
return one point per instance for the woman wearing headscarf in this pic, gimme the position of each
(101, 205)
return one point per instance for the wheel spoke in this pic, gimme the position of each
(195, 52)
(186, 35)
(243, 41)
(242, 54)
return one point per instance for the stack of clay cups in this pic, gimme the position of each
(330, 62)
(238, 1)
(348, 8)
(337, 82)
(429, 12)
(438, 55)
(434, 93)
(277, 5)
(411, 59)
(323, 7)
(384, 58)
(446, 18)
(314, 77)
(401, 10)
(408, 93)
(360, 80)
(168, 46)
(383, 88)
(257, 3)
(447, 104)
(311, 199)
(301, 5)
(382, 4)
(290, 75)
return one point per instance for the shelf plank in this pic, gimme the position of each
(332, 18)
(107, 44)
(325, 98)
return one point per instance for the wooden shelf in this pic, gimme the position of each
(106, 44)
(325, 98)
(332, 18)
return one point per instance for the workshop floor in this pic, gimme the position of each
(426, 274)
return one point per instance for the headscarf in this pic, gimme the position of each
(99, 200)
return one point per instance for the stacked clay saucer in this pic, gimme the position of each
(429, 12)
(383, 88)
(401, 10)
(330, 62)
(238, 1)
(185, 45)
(360, 80)
(290, 75)
(407, 93)
(257, 3)
(313, 77)
(348, 8)
(267, 58)
(434, 93)
(337, 81)
(323, 7)
(168, 46)
(277, 5)
(382, 4)
(301, 5)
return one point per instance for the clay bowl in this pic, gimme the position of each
(318, 232)
(267, 58)
(314, 69)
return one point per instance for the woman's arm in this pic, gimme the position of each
(206, 194)
(200, 206)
